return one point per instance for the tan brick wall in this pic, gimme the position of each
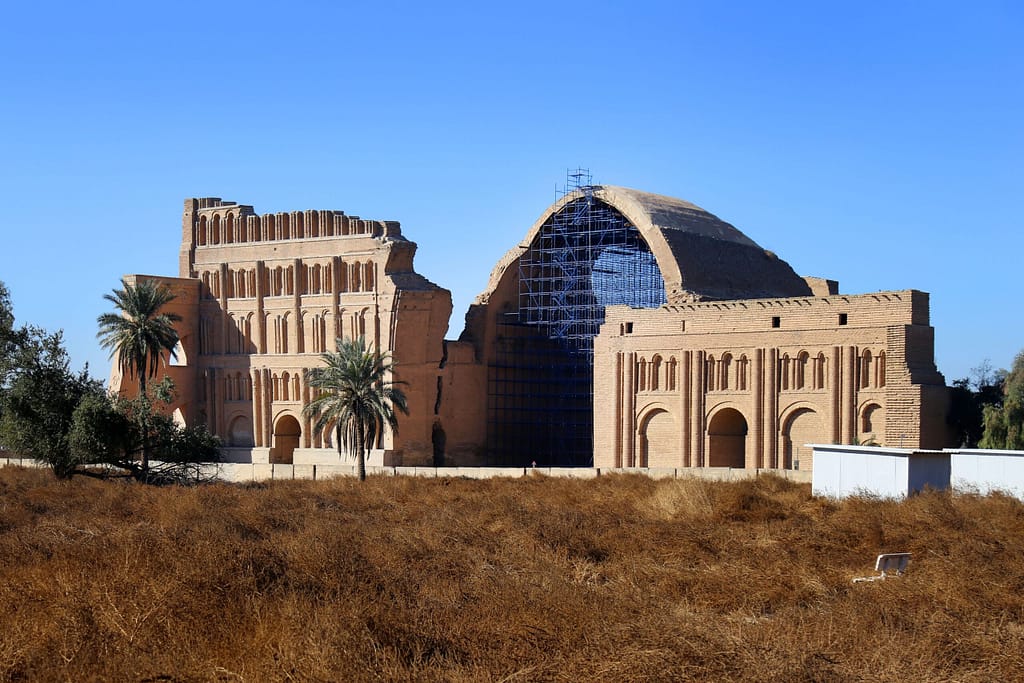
(747, 383)
(268, 294)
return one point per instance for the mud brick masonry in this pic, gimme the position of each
(626, 329)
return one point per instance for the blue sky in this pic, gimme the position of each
(879, 144)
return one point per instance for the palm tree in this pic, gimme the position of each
(355, 397)
(139, 334)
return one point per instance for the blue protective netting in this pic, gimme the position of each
(540, 385)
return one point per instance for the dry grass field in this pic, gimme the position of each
(616, 579)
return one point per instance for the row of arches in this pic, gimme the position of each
(288, 433)
(656, 375)
(725, 444)
(802, 371)
(871, 370)
(286, 386)
(238, 387)
(316, 327)
(315, 278)
(232, 229)
(727, 373)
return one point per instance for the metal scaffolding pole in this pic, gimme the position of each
(540, 388)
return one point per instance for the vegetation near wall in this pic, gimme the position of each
(1004, 422)
(620, 578)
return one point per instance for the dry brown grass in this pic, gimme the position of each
(617, 579)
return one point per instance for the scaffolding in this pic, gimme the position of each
(540, 386)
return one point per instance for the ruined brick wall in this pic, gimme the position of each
(274, 292)
(747, 383)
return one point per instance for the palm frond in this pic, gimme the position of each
(138, 332)
(355, 395)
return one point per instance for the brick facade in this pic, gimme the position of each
(748, 383)
(262, 296)
(745, 364)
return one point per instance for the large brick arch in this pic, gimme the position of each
(801, 424)
(657, 437)
(727, 438)
(700, 256)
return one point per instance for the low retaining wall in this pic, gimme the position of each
(239, 472)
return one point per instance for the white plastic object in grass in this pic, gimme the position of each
(888, 562)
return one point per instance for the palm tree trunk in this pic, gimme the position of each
(360, 453)
(144, 475)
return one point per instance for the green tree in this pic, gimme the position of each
(67, 420)
(11, 339)
(138, 333)
(1004, 424)
(356, 397)
(114, 430)
(968, 398)
(39, 398)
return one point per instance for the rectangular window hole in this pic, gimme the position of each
(629, 328)
(776, 321)
(842, 318)
(682, 326)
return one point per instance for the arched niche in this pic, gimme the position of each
(658, 439)
(287, 433)
(727, 437)
(799, 428)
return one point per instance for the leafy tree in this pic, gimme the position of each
(6, 314)
(114, 430)
(65, 419)
(39, 399)
(968, 398)
(138, 332)
(1004, 424)
(11, 339)
(355, 397)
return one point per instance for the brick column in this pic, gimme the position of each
(336, 273)
(757, 419)
(307, 423)
(225, 319)
(257, 408)
(835, 393)
(211, 405)
(629, 410)
(683, 387)
(268, 409)
(261, 318)
(849, 402)
(698, 458)
(298, 278)
(771, 408)
(617, 420)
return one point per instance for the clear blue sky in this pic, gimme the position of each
(879, 144)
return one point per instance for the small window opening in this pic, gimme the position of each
(682, 326)
(842, 318)
(629, 328)
(776, 321)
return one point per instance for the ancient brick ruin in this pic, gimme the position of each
(625, 330)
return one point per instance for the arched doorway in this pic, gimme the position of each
(240, 432)
(872, 424)
(286, 439)
(438, 440)
(800, 428)
(727, 437)
(657, 436)
(584, 255)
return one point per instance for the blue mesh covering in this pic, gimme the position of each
(540, 386)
